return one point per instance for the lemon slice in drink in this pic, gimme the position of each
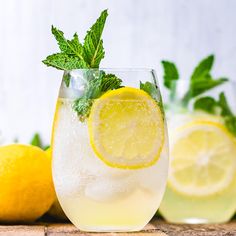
(203, 155)
(126, 128)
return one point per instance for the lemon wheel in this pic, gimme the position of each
(202, 158)
(126, 128)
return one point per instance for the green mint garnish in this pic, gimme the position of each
(171, 76)
(153, 91)
(200, 82)
(218, 107)
(230, 123)
(206, 104)
(93, 44)
(203, 68)
(63, 61)
(37, 141)
(74, 55)
(96, 87)
(225, 108)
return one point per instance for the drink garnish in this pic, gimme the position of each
(201, 81)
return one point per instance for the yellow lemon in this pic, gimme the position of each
(26, 189)
(202, 158)
(126, 128)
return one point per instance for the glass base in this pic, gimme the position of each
(107, 229)
(195, 221)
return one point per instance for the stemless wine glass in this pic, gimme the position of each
(110, 153)
(202, 133)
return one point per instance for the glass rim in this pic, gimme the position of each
(118, 69)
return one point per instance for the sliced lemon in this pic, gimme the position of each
(126, 128)
(203, 155)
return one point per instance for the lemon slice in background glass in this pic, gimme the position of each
(202, 158)
(126, 128)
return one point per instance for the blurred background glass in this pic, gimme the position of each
(201, 184)
(138, 34)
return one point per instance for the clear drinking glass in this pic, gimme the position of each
(110, 166)
(201, 185)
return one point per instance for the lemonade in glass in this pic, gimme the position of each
(201, 114)
(110, 153)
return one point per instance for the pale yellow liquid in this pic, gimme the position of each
(97, 197)
(177, 207)
(127, 213)
(217, 208)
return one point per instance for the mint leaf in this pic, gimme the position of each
(69, 47)
(93, 44)
(227, 114)
(110, 82)
(171, 74)
(225, 109)
(100, 85)
(203, 68)
(153, 91)
(200, 86)
(230, 123)
(66, 78)
(63, 61)
(71, 55)
(36, 141)
(82, 106)
(210, 105)
(96, 87)
(201, 80)
(207, 104)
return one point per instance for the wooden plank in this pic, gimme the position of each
(155, 228)
(70, 230)
(22, 230)
(228, 229)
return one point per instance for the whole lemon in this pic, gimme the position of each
(26, 187)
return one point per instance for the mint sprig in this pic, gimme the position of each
(218, 107)
(73, 54)
(201, 80)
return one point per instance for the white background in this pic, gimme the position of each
(139, 33)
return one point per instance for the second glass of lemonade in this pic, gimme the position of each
(110, 153)
(202, 178)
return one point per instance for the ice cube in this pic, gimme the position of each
(110, 189)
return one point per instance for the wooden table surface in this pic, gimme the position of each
(155, 227)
